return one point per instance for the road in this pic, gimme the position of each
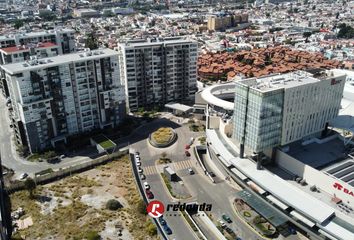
(11, 159)
(220, 195)
(148, 154)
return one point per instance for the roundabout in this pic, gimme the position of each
(163, 137)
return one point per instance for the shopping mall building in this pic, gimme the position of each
(289, 137)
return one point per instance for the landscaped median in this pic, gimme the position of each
(163, 137)
(176, 189)
(193, 225)
(253, 219)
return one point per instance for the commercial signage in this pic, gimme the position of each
(343, 189)
(156, 208)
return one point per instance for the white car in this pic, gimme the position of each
(137, 158)
(222, 223)
(23, 176)
(138, 163)
(146, 186)
(140, 170)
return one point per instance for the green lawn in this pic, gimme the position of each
(103, 141)
(107, 144)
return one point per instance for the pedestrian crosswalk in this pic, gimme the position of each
(182, 165)
(151, 170)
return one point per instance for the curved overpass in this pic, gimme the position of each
(213, 95)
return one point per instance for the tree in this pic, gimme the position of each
(150, 228)
(141, 207)
(345, 31)
(91, 41)
(22, 150)
(307, 35)
(18, 23)
(30, 186)
(113, 205)
(92, 235)
(163, 155)
(47, 16)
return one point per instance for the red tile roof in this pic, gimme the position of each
(25, 48)
(255, 62)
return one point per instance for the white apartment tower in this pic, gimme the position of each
(64, 38)
(21, 46)
(55, 97)
(158, 71)
(280, 109)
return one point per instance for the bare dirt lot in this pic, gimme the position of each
(75, 207)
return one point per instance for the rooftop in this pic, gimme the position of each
(57, 60)
(34, 34)
(156, 41)
(269, 213)
(280, 81)
(27, 47)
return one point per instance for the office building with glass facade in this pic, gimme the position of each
(279, 109)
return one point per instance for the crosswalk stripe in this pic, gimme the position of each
(149, 170)
(182, 165)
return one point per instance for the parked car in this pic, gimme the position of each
(142, 177)
(140, 170)
(137, 153)
(149, 194)
(23, 176)
(190, 170)
(187, 153)
(146, 186)
(167, 229)
(54, 160)
(222, 223)
(137, 158)
(138, 163)
(187, 146)
(212, 174)
(226, 218)
(229, 230)
(162, 221)
(62, 156)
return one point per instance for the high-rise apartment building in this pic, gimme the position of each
(55, 97)
(158, 71)
(279, 109)
(22, 53)
(20, 47)
(64, 38)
